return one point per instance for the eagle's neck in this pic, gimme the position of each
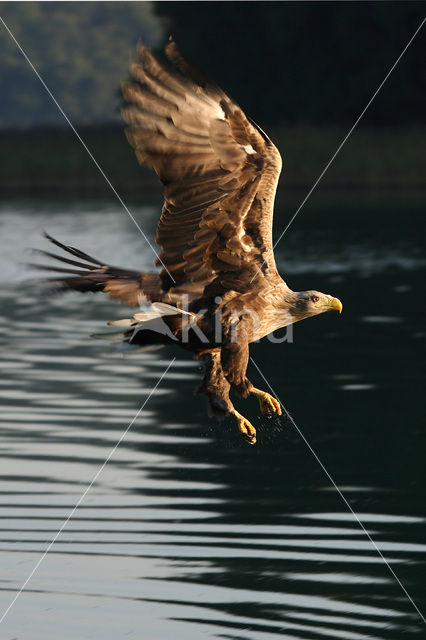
(278, 312)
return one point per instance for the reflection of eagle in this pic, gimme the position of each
(220, 173)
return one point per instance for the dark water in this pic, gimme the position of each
(188, 532)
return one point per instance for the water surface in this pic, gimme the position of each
(188, 532)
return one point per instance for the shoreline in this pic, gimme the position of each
(53, 160)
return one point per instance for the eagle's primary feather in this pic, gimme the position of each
(220, 173)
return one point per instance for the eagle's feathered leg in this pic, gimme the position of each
(234, 358)
(216, 387)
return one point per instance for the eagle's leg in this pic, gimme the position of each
(234, 358)
(216, 387)
(268, 404)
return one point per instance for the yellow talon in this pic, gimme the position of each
(245, 427)
(268, 404)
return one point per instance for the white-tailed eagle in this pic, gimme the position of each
(219, 288)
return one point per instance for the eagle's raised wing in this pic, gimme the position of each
(219, 170)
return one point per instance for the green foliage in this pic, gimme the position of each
(81, 50)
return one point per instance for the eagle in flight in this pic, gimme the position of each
(219, 288)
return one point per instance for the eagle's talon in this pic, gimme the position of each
(268, 404)
(245, 427)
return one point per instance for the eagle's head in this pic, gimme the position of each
(311, 303)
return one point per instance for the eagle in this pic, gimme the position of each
(218, 289)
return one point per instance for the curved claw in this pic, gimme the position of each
(245, 427)
(268, 404)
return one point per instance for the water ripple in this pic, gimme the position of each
(188, 532)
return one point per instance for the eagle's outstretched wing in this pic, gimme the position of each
(90, 274)
(219, 170)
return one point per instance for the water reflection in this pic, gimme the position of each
(188, 532)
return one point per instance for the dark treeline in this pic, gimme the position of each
(53, 160)
(303, 70)
(310, 62)
(284, 62)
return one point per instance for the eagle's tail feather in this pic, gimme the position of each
(121, 342)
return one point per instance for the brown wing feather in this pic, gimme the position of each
(131, 287)
(220, 173)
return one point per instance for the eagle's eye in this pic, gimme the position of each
(314, 298)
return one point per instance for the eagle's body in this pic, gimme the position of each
(219, 288)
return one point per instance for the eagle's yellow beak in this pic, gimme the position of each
(335, 304)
